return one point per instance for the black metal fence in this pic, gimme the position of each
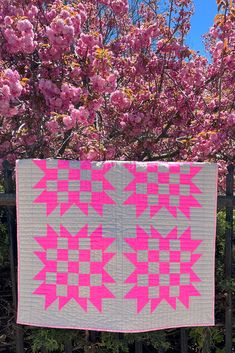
(227, 201)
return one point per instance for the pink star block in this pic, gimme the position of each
(73, 187)
(84, 288)
(164, 269)
(163, 190)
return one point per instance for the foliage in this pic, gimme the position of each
(207, 338)
(55, 339)
(45, 338)
(107, 342)
(222, 284)
(4, 241)
(111, 342)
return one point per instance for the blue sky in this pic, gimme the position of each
(205, 11)
(201, 21)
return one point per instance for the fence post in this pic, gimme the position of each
(68, 347)
(183, 340)
(93, 336)
(11, 224)
(228, 261)
(138, 347)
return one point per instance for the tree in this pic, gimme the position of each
(101, 79)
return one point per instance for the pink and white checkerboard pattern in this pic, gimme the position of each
(116, 246)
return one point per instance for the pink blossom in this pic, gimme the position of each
(70, 93)
(120, 7)
(10, 89)
(24, 25)
(68, 122)
(21, 38)
(8, 21)
(53, 126)
(89, 40)
(119, 100)
(231, 120)
(111, 83)
(33, 11)
(98, 83)
(80, 115)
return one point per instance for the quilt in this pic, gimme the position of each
(118, 246)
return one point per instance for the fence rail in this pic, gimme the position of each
(227, 201)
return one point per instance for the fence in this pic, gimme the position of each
(226, 201)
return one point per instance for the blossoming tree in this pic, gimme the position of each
(104, 79)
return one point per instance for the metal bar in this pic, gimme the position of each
(161, 350)
(11, 224)
(226, 201)
(228, 261)
(223, 200)
(183, 340)
(119, 337)
(68, 347)
(7, 199)
(93, 336)
(138, 347)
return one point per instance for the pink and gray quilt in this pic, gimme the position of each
(116, 246)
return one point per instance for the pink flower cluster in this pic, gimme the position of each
(119, 100)
(65, 27)
(102, 85)
(77, 117)
(70, 94)
(61, 31)
(10, 91)
(57, 98)
(119, 7)
(19, 35)
(141, 38)
(87, 43)
(51, 93)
